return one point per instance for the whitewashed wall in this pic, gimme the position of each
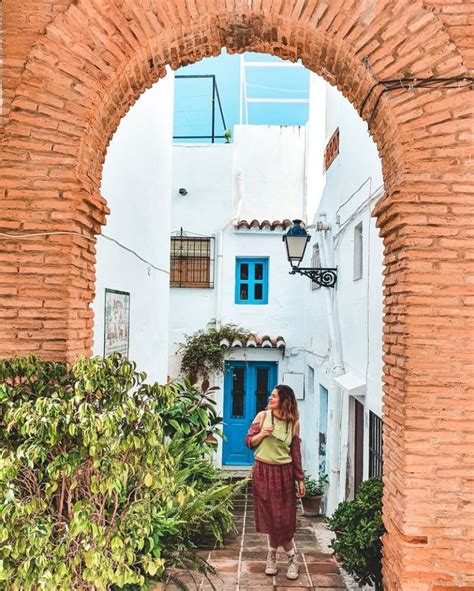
(267, 191)
(271, 159)
(351, 186)
(206, 173)
(259, 176)
(315, 144)
(137, 185)
(267, 173)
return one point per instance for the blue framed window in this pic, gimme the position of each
(251, 281)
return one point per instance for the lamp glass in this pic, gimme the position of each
(295, 248)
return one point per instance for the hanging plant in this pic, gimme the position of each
(202, 352)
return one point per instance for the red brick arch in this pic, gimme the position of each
(74, 67)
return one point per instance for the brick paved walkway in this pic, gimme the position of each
(240, 564)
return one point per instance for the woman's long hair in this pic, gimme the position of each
(288, 404)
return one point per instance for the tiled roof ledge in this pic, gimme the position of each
(265, 225)
(255, 342)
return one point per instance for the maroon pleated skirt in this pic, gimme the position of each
(274, 500)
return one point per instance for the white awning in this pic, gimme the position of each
(352, 384)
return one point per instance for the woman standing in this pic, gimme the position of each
(274, 434)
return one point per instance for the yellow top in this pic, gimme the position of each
(275, 449)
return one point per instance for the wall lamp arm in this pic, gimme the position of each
(323, 276)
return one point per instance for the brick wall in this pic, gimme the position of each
(71, 71)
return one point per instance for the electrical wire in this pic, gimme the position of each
(368, 179)
(131, 251)
(409, 84)
(342, 228)
(84, 236)
(321, 358)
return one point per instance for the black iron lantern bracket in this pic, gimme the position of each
(296, 240)
(325, 277)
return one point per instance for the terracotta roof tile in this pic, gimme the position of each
(263, 342)
(263, 225)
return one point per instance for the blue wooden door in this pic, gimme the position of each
(247, 386)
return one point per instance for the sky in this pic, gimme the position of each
(193, 96)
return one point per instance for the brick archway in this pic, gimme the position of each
(74, 67)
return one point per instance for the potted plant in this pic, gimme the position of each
(314, 491)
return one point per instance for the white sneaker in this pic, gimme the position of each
(293, 572)
(271, 567)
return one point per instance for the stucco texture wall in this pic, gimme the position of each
(137, 183)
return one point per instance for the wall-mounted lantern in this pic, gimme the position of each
(296, 240)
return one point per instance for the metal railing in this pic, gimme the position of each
(375, 445)
(215, 99)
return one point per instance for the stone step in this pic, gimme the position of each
(240, 564)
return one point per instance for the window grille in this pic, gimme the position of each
(375, 445)
(315, 263)
(192, 261)
(332, 149)
(358, 252)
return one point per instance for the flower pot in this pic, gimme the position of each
(311, 505)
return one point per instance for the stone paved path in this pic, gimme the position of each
(240, 564)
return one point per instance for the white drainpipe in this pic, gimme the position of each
(219, 275)
(336, 478)
(239, 189)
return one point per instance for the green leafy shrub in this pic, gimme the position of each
(315, 488)
(202, 352)
(104, 480)
(341, 516)
(359, 527)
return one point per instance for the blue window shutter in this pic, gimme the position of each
(251, 281)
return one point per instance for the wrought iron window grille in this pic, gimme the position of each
(192, 260)
(375, 445)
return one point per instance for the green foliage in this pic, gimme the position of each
(202, 351)
(341, 516)
(104, 480)
(315, 488)
(359, 526)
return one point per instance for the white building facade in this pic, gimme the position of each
(131, 304)
(345, 371)
(241, 197)
(208, 220)
(332, 352)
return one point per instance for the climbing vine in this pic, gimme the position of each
(202, 351)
